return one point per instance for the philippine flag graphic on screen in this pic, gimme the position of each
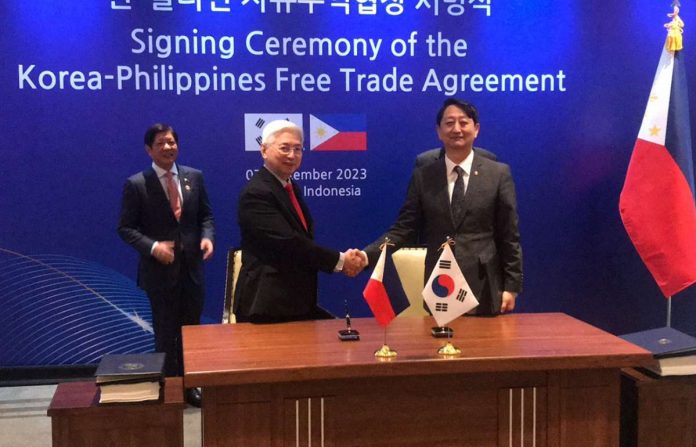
(338, 132)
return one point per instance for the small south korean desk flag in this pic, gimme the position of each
(447, 293)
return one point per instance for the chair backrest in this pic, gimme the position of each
(410, 265)
(234, 265)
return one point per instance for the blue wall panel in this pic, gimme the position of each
(72, 121)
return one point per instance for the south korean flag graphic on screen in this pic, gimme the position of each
(255, 122)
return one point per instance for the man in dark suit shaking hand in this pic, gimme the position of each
(280, 259)
(167, 218)
(470, 198)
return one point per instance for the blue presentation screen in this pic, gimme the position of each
(561, 87)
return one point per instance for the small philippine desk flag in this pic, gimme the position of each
(385, 295)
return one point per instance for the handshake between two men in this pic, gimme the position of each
(278, 281)
(354, 262)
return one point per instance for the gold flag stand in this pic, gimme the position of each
(385, 352)
(449, 350)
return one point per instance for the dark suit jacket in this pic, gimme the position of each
(439, 152)
(146, 217)
(487, 245)
(280, 260)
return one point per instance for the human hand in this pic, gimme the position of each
(207, 248)
(361, 255)
(354, 262)
(164, 252)
(508, 304)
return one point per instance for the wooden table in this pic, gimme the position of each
(657, 411)
(78, 420)
(522, 380)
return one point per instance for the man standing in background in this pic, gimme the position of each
(167, 218)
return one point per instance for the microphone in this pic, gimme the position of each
(348, 334)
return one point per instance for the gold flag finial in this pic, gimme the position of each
(675, 28)
(448, 241)
(387, 243)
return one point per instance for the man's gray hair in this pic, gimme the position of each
(275, 127)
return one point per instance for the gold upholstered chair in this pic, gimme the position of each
(410, 265)
(234, 265)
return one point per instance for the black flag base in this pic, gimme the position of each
(449, 349)
(348, 335)
(442, 332)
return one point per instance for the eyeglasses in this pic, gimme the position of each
(287, 150)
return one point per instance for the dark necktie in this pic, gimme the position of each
(173, 191)
(457, 203)
(295, 204)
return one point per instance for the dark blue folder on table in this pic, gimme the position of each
(663, 342)
(130, 368)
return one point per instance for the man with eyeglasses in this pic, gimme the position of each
(166, 216)
(280, 260)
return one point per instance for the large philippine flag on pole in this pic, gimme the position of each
(384, 292)
(657, 201)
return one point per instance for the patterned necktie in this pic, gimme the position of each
(173, 191)
(295, 204)
(457, 203)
